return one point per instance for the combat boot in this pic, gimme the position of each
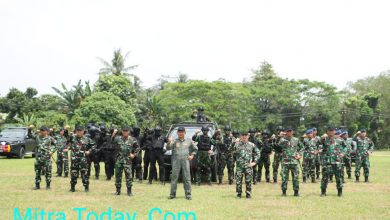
(268, 180)
(248, 196)
(313, 180)
(304, 179)
(220, 181)
(48, 185)
(72, 188)
(366, 179)
(230, 182)
(296, 193)
(118, 191)
(357, 179)
(86, 188)
(323, 192)
(318, 176)
(37, 186)
(239, 195)
(349, 176)
(129, 193)
(275, 180)
(340, 192)
(66, 175)
(284, 193)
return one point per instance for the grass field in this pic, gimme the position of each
(360, 200)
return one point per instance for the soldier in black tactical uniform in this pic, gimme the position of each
(137, 160)
(95, 156)
(203, 159)
(157, 154)
(265, 155)
(147, 144)
(107, 150)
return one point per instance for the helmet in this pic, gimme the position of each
(205, 128)
(227, 128)
(252, 130)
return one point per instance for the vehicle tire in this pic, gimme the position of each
(21, 153)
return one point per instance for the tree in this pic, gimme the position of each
(104, 107)
(225, 103)
(117, 65)
(17, 103)
(117, 85)
(71, 98)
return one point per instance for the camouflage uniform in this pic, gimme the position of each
(278, 156)
(181, 149)
(332, 151)
(203, 159)
(62, 157)
(228, 142)
(45, 146)
(309, 158)
(363, 148)
(245, 153)
(349, 144)
(124, 146)
(291, 148)
(224, 152)
(79, 146)
(253, 139)
(318, 159)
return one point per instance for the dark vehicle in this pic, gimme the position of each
(191, 129)
(14, 141)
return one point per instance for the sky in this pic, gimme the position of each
(45, 43)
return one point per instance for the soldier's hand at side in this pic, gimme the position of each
(341, 155)
(65, 150)
(132, 156)
(87, 152)
(210, 152)
(190, 157)
(50, 153)
(252, 164)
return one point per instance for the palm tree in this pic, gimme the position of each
(117, 65)
(27, 119)
(71, 98)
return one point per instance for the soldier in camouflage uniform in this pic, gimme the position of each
(278, 152)
(364, 148)
(81, 146)
(253, 139)
(265, 156)
(292, 150)
(223, 144)
(318, 158)
(247, 155)
(332, 153)
(62, 156)
(349, 144)
(228, 140)
(45, 149)
(183, 151)
(126, 149)
(330, 172)
(309, 156)
(203, 158)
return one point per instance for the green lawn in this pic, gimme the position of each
(360, 201)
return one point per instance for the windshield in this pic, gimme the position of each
(13, 133)
(190, 131)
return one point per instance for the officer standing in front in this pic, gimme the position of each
(183, 152)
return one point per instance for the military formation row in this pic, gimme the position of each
(244, 154)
